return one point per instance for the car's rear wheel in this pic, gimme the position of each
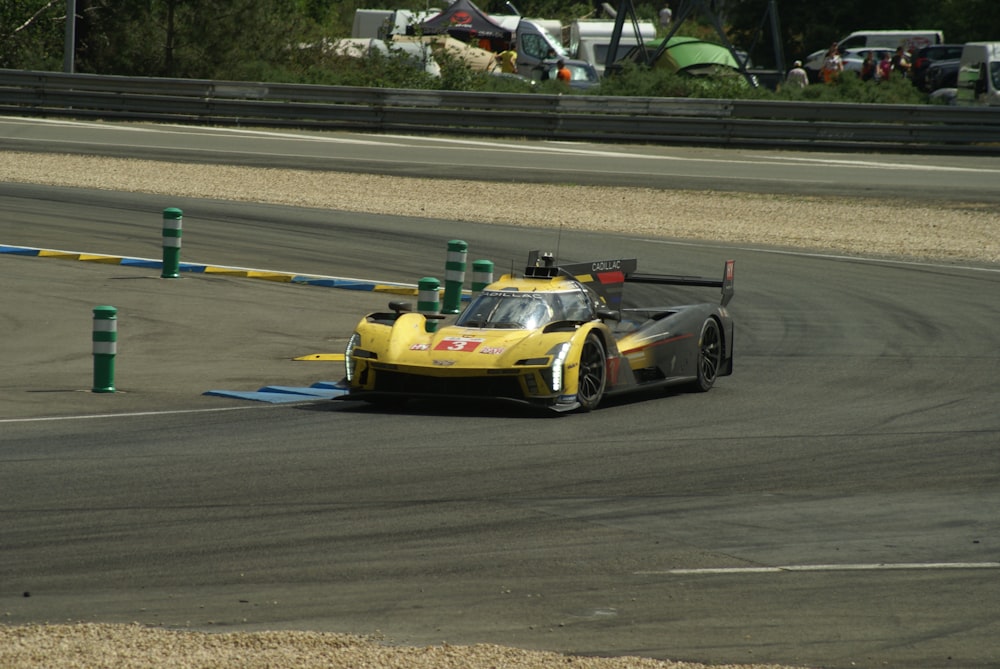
(709, 355)
(593, 373)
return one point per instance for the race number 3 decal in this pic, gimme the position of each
(458, 344)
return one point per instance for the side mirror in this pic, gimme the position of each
(400, 306)
(606, 314)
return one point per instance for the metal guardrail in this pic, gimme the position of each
(748, 123)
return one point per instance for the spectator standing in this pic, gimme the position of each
(562, 72)
(900, 62)
(868, 67)
(508, 59)
(546, 67)
(797, 76)
(666, 16)
(833, 64)
(884, 68)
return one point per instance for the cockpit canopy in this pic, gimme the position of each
(517, 310)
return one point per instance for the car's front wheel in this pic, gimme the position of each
(709, 355)
(593, 373)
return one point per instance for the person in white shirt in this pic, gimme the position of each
(797, 76)
(666, 16)
(833, 65)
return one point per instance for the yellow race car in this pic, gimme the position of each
(555, 336)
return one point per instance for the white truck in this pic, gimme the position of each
(979, 74)
(590, 40)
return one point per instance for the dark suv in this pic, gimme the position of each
(927, 55)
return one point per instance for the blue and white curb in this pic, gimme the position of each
(321, 390)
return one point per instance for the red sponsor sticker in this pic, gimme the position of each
(459, 344)
(611, 277)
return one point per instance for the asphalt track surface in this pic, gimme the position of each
(834, 503)
(918, 177)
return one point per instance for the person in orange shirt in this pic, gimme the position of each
(562, 72)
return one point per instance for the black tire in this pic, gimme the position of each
(593, 373)
(709, 356)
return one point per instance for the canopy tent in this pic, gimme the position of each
(478, 60)
(465, 21)
(694, 56)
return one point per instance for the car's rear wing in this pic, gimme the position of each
(608, 277)
(726, 283)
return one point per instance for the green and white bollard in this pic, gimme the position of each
(105, 348)
(172, 221)
(454, 276)
(482, 275)
(428, 301)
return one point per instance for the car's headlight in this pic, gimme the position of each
(352, 343)
(561, 352)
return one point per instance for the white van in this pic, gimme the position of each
(590, 40)
(979, 74)
(853, 46)
(538, 49)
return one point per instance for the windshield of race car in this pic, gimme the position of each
(524, 311)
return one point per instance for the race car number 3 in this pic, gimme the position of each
(458, 344)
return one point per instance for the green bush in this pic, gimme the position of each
(374, 70)
(642, 81)
(850, 88)
(455, 74)
(491, 83)
(638, 81)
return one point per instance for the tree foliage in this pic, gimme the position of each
(32, 34)
(226, 39)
